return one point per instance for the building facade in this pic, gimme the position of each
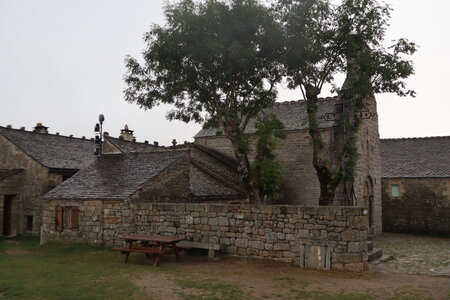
(416, 185)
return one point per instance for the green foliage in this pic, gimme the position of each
(323, 40)
(266, 171)
(215, 61)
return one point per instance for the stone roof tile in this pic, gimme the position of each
(292, 113)
(114, 176)
(415, 157)
(52, 151)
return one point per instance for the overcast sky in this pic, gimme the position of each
(62, 64)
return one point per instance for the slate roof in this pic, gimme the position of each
(114, 176)
(127, 146)
(214, 175)
(292, 113)
(7, 173)
(118, 176)
(415, 157)
(52, 151)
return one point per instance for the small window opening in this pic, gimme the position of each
(29, 222)
(395, 190)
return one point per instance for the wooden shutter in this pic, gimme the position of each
(74, 214)
(59, 218)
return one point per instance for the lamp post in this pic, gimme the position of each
(99, 135)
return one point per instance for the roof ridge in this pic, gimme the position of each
(416, 138)
(48, 134)
(290, 102)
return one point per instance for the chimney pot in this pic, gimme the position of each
(83, 137)
(8, 126)
(40, 128)
(145, 142)
(174, 142)
(57, 133)
(71, 136)
(126, 133)
(22, 128)
(155, 143)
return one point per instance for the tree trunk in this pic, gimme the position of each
(328, 179)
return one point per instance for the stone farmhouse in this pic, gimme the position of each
(416, 185)
(31, 164)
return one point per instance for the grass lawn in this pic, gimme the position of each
(64, 271)
(76, 271)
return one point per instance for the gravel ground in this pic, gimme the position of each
(413, 254)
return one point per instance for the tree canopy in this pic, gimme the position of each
(215, 62)
(218, 63)
(322, 40)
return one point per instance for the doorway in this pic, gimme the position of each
(7, 214)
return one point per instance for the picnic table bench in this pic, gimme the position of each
(157, 245)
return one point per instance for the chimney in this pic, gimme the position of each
(40, 128)
(155, 143)
(174, 142)
(126, 134)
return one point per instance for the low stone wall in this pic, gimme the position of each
(309, 236)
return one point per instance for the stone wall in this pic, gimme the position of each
(423, 206)
(368, 176)
(35, 182)
(309, 236)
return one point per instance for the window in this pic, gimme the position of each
(29, 223)
(74, 215)
(59, 218)
(395, 190)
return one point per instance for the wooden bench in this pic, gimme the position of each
(211, 247)
(158, 251)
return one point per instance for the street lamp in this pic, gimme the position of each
(99, 135)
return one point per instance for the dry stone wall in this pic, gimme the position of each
(309, 236)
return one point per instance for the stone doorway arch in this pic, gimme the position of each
(368, 202)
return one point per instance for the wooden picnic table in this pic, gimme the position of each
(150, 244)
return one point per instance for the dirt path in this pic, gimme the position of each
(233, 278)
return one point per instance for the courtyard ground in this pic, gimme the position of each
(418, 269)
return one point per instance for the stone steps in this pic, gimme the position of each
(373, 253)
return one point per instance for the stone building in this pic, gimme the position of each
(416, 185)
(301, 186)
(34, 162)
(31, 164)
(114, 182)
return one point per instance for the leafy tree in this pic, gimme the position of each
(323, 40)
(266, 170)
(216, 63)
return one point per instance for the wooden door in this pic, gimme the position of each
(7, 212)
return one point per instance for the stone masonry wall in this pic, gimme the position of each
(295, 154)
(423, 206)
(309, 236)
(35, 182)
